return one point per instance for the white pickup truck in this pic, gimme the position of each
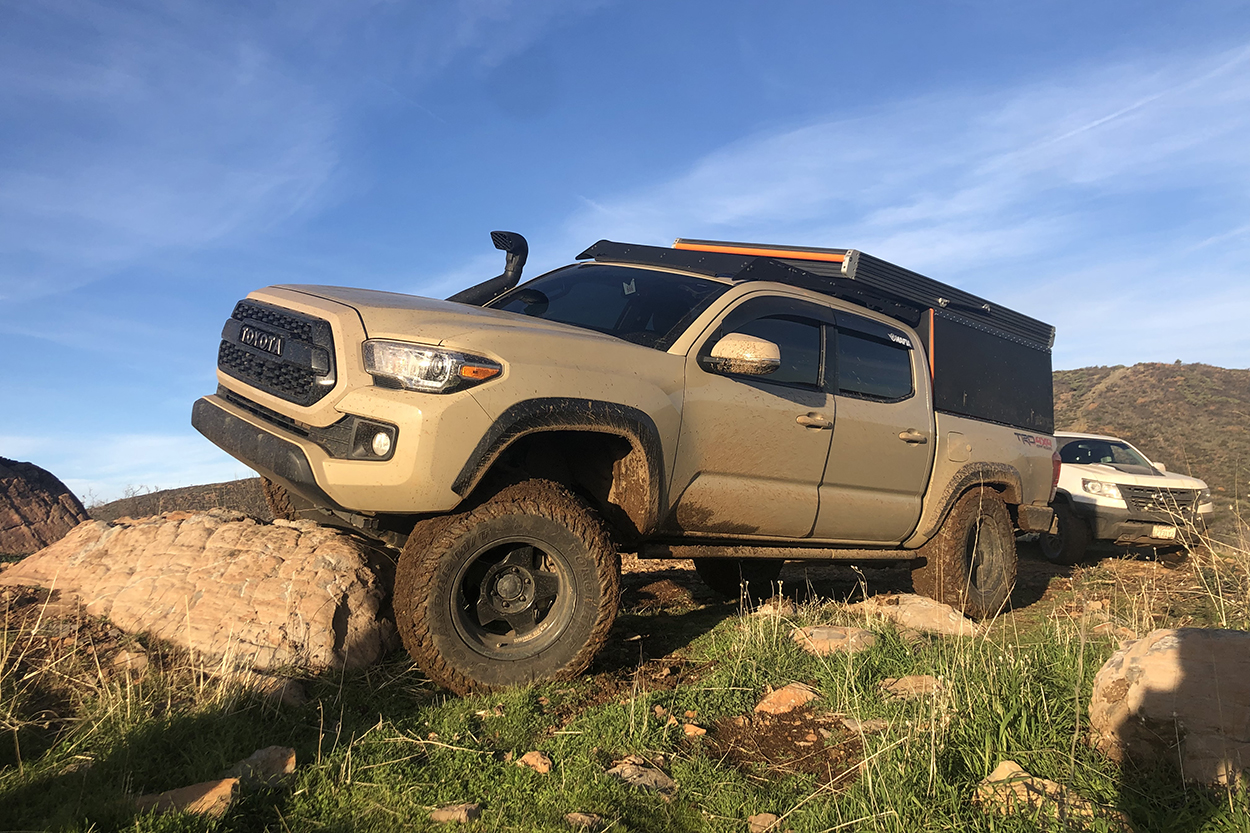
(1110, 491)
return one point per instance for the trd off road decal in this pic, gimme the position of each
(1036, 441)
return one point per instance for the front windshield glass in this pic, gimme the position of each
(1112, 453)
(644, 306)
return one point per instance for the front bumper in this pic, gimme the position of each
(1120, 526)
(278, 459)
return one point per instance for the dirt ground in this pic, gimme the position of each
(654, 585)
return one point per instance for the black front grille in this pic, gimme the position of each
(1160, 504)
(298, 326)
(296, 361)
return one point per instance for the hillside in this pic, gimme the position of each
(1195, 418)
(241, 495)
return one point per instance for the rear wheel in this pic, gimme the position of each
(737, 578)
(523, 587)
(1069, 544)
(971, 563)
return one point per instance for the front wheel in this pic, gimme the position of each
(523, 587)
(1069, 544)
(971, 563)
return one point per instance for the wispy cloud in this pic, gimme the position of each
(158, 128)
(153, 132)
(1078, 183)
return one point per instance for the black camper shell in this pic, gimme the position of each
(987, 362)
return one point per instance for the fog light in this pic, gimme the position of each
(381, 444)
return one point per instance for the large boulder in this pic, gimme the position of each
(1180, 696)
(35, 508)
(291, 593)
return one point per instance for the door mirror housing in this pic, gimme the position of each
(1161, 467)
(745, 355)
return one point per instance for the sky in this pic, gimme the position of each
(1086, 163)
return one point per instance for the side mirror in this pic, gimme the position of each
(744, 354)
(1161, 467)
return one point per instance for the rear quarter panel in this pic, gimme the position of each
(970, 452)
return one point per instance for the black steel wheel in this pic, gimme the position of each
(971, 563)
(524, 587)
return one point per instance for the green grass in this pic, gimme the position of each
(377, 750)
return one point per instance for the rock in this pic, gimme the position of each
(210, 798)
(786, 699)
(776, 606)
(251, 594)
(865, 727)
(693, 731)
(1112, 629)
(266, 767)
(35, 508)
(762, 822)
(1178, 695)
(919, 613)
(55, 628)
(1010, 791)
(281, 690)
(824, 640)
(587, 821)
(637, 772)
(456, 814)
(130, 660)
(537, 761)
(906, 688)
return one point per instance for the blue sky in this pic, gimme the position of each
(1084, 162)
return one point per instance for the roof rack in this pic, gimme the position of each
(848, 274)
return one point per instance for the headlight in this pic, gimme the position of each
(429, 369)
(1204, 496)
(1098, 487)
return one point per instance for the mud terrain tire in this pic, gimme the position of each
(523, 587)
(1069, 545)
(727, 576)
(278, 499)
(971, 563)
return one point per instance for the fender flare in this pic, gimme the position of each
(532, 416)
(1003, 477)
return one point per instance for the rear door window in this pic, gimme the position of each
(872, 361)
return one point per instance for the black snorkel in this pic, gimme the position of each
(517, 250)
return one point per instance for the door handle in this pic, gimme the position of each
(813, 421)
(911, 435)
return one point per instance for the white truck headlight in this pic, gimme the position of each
(1204, 496)
(1102, 489)
(428, 369)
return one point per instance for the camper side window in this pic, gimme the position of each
(871, 367)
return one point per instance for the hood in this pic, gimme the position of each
(430, 321)
(1111, 474)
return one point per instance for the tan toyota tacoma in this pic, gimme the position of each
(736, 404)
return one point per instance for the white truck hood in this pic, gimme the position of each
(1070, 475)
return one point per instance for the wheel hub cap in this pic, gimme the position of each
(509, 587)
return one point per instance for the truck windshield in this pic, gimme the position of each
(643, 306)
